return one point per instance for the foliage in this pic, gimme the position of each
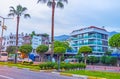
(113, 60)
(103, 59)
(27, 63)
(45, 35)
(11, 49)
(114, 41)
(93, 59)
(18, 11)
(25, 48)
(61, 44)
(41, 49)
(85, 50)
(109, 60)
(66, 66)
(33, 33)
(58, 3)
(59, 50)
(108, 52)
(96, 74)
(47, 65)
(79, 57)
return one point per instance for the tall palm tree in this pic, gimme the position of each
(18, 12)
(54, 4)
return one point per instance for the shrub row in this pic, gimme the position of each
(66, 66)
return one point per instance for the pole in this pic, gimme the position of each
(2, 32)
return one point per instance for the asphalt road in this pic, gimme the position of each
(14, 73)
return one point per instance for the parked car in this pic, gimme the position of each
(4, 56)
(71, 60)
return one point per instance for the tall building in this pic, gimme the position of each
(96, 38)
(10, 40)
(39, 39)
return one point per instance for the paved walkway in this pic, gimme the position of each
(103, 68)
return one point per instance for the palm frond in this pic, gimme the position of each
(42, 1)
(66, 1)
(60, 5)
(49, 4)
(11, 14)
(24, 9)
(27, 16)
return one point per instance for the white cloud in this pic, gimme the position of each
(75, 15)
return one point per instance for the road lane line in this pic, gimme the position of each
(6, 77)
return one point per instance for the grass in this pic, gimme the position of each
(107, 75)
(20, 66)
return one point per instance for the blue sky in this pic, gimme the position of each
(75, 15)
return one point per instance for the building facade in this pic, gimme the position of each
(96, 38)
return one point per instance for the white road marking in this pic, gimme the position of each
(6, 77)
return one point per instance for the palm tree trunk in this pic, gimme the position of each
(18, 19)
(52, 30)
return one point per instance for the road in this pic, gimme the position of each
(14, 73)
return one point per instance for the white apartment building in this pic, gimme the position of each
(95, 37)
(10, 40)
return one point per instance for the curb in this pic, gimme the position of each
(71, 75)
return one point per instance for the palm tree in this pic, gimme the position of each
(18, 12)
(54, 4)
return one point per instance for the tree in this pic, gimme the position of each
(85, 50)
(114, 41)
(11, 49)
(93, 59)
(53, 4)
(59, 51)
(61, 44)
(108, 52)
(25, 49)
(18, 12)
(79, 57)
(41, 49)
(33, 34)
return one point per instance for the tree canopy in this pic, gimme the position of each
(25, 49)
(114, 41)
(42, 49)
(59, 50)
(85, 50)
(61, 44)
(11, 49)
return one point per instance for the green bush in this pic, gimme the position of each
(63, 65)
(27, 63)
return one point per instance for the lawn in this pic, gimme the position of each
(19, 65)
(107, 75)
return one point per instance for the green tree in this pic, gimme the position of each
(59, 51)
(53, 4)
(85, 50)
(26, 49)
(114, 41)
(41, 49)
(18, 12)
(103, 59)
(108, 53)
(11, 49)
(79, 57)
(33, 34)
(93, 59)
(61, 44)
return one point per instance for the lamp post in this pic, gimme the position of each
(3, 28)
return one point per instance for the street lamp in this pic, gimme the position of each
(3, 28)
